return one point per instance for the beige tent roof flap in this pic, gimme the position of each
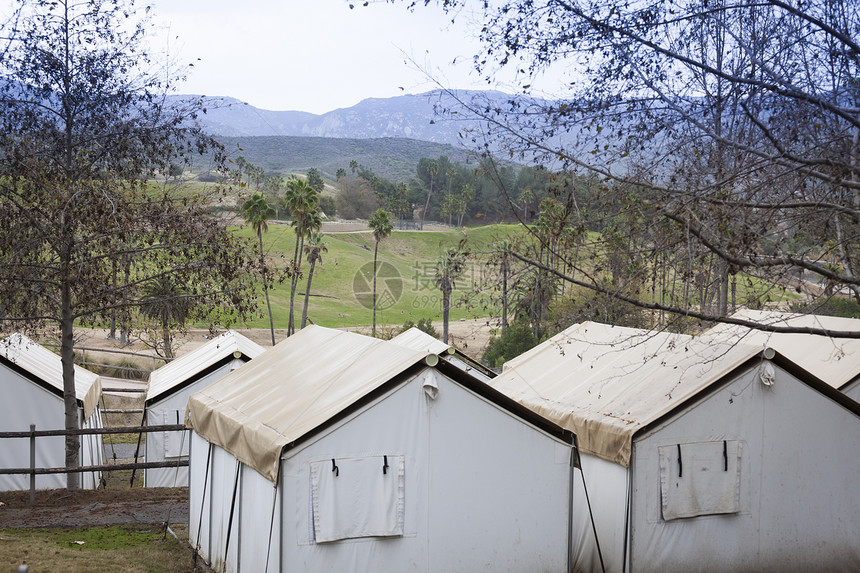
(293, 389)
(48, 367)
(605, 383)
(834, 360)
(417, 339)
(188, 366)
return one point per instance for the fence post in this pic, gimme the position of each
(33, 464)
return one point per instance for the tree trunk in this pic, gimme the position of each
(426, 203)
(446, 305)
(165, 335)
(375, 250)
(294, 279)
(70, 400)
(266, 288)
(308, 292)
(504, 293)
(112, 334)
(723, 293)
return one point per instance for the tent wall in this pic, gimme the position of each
(258, 512)
(27, 404)
(797, 490)
(256, 498)
(606, 484)
(92, 450)
(475, 487)
(474, 498)
(161, 446)
(852, 389)
(199, 492)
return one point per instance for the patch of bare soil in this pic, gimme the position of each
(87, 508)
(469, 336)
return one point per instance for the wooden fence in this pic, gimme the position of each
(33, 471)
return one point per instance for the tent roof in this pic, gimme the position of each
(291, 390)
(605, 383)
(178, 371)
(833, 360)
(417, 339)
(47, 367)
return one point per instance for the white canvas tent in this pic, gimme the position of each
(338, 452)
(417, 339)
(31, 383)
(698, 454)
(167, 397)
(834, 360)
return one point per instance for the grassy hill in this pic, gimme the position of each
(411, 256)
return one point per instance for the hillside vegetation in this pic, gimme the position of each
(394, 158)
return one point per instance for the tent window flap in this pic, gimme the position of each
(700, 478)
(357, 497)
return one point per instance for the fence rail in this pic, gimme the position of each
(88, 431)
(33, 471)
(101, 468)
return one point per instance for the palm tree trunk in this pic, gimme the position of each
(375, 250)
(266, 288)
(446, 305)
(294, 280)
(308, 293)
(165, 334)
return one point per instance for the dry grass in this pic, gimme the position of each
(119, 549)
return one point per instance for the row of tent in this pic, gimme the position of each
(602, 449)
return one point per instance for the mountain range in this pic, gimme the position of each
(412, 116)
(388, 135)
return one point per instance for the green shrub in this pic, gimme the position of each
(844, 307)
(423, 324)
(513, 341)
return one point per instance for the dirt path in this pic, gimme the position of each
(60, 508)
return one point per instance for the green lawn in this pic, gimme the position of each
(411, 256)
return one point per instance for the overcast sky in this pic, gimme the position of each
(315, 55)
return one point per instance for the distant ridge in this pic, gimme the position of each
(412, 116)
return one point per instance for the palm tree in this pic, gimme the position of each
(380, 224)
(313, 249)
(302, 200)
(432, 169)
(449, 267)
(257, 212)
(165, 301)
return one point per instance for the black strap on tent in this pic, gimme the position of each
(137, 449)
(110, 436)
(725, 456)
(680, 464)
(334, 468)
(384, 465)
(271, 527)
(176, 478)
(232, 509)
(181, 447)
(202, 504)
(591, 516)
